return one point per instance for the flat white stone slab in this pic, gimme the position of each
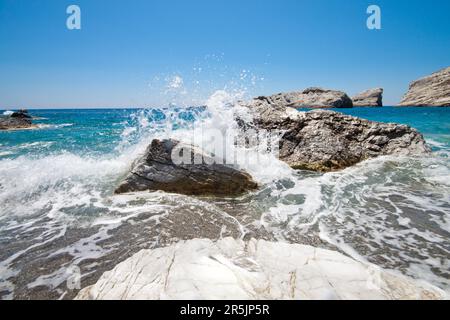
(233, 269)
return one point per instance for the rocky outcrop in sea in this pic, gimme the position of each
(233, 269)
(197, 173)
(16, 120)
(369, 98)
(432, 90)
(323, 140)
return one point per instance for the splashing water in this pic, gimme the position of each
(58, 208)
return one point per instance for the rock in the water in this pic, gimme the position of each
(323, 140)
(234, 269)
(17, 120)
(22, 113)
(433, 90)
(156, 170)
(311, 98)
(369, 98)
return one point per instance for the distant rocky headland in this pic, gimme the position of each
(432, 90)
(320, 98)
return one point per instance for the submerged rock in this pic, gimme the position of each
(369, 98)
(323, 140)
(234, 269)
(201, 175)
(433, 90)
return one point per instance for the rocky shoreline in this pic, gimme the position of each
(318, 140)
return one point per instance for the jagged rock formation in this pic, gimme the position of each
(432, 90)
(369, 98)
(323, 140)
(200, 175)
(234, 269)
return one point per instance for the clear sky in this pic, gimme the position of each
(150, 52)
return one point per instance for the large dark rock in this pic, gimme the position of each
(21, 114)
(433, 90)
(323, 140)
(369, 98)
(17, 120)
(157, 170)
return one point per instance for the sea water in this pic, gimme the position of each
(58, 212)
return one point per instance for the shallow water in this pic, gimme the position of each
(58, 209)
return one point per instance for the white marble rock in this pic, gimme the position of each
(234, 269)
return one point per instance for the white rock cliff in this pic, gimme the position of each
(432, 90)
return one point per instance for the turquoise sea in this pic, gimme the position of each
(58, 209)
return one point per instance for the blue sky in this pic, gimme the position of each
(128, 53)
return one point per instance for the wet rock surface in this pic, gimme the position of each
(201, 175)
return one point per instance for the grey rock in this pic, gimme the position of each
(432, 90)
(311, 98)
(156, 170)
(369, 98)
(324, 140)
